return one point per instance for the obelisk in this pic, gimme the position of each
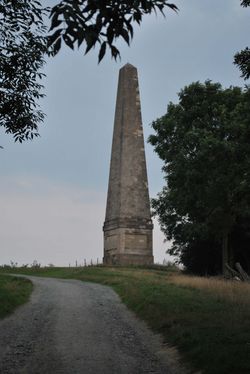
(128, 226)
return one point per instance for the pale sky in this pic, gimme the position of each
(53, 189)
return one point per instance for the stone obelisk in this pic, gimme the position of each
(128, 226)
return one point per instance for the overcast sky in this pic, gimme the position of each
(53, 189)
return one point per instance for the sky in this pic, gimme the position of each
(53, 189)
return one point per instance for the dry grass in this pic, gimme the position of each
(234, 291)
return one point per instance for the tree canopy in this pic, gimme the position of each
(204, 144)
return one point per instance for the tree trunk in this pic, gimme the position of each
(225, 252)
(240, 274)
(245, 277)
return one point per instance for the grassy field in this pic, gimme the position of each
(208, 320)
(13, 292)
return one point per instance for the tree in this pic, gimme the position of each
(204, 143)
(203, 256)
(242, 58)
(24, 42)
(23, 45)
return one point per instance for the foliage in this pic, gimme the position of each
(242, 58)
(24, 43)
(13, 292)
(245, 3)
(203, 142)
(22, 48)
(203, 257)
(99, 22)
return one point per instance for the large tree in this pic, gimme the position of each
(204, 143)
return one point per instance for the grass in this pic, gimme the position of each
(208, 320)
(14, 291)
(235, 292)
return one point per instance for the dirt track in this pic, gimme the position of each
(72, 327)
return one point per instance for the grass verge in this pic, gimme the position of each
(14, 291)
(207, 320)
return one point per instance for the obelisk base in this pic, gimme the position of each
(127, 246)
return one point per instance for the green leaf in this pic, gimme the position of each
(91, 40)
(55, 22)
(125, 36)
(68, 41)
(102, 52)
(57, 46)
(114, 52)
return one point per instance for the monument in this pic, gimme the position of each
(128, 226)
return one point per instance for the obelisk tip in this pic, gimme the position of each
(128, 66)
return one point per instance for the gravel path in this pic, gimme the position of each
(72, 327)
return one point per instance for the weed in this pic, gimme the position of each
(14, 291)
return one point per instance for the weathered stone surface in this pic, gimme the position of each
(128, 225)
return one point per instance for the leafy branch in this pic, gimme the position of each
(74, 22)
